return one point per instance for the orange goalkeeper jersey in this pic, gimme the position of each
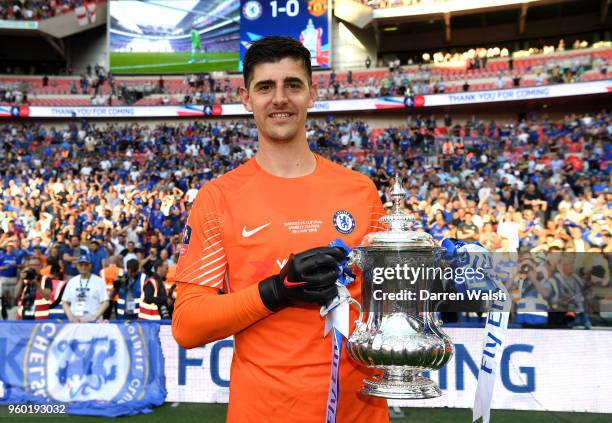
(241, 229)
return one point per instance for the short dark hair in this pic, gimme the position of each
(157, 264)
(56, 269)
(132, 265)
(271, 50)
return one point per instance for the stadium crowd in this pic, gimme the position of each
(97, 86)
(117, 196)
(35, 10)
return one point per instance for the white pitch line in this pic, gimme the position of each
(162, 65)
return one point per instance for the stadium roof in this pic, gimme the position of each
(172, 18)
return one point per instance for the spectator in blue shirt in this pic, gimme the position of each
(167, 229)
(97, 256)
(438, 228)
(9, 263)
(71, 256)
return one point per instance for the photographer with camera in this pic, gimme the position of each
(33, 292)
(128, 291)
(156, 303)
(85, 298)
(568, 295)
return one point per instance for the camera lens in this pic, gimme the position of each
(29, 274)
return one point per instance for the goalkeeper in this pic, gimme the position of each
(196, 45)
(254, 262)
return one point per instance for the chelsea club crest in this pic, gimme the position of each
(252, 10)
(69, 363)
(344, 222)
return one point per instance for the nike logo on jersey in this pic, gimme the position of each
(246, 233)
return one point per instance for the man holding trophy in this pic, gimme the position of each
(255, 261)
(266, 256)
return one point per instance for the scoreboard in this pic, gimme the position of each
(304, 20)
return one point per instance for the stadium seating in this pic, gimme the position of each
(39, 10)
(59, 87)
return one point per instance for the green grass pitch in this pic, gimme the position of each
(215, 413)
(159, 63)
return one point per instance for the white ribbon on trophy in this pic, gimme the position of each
(496, 326)
(493, 347)
(337, 318)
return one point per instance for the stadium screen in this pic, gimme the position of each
(174, 36)
(186, 36)
(304, 20)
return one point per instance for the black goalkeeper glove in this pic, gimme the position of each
(309, 276)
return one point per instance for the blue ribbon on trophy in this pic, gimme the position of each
(336, 315)
(461, 254)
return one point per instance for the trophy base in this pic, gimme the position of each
(401, 386)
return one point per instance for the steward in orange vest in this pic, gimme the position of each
(56, 275)
(155, 303)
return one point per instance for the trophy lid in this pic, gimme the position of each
(400, 231)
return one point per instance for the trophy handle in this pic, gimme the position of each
(355, 258)
(359, 321)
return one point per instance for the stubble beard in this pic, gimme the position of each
(281, 136)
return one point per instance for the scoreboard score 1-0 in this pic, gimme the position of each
(304, 20)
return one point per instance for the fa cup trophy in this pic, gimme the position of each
(401, 336)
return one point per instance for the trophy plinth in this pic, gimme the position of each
(401, 384)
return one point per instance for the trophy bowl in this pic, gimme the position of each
(401, 335)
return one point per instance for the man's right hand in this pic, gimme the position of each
(309, 276)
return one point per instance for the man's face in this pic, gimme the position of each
(75, 241)
(84, 269)
(279, 97)
(162, 270)
(567, 264)
(132, 272)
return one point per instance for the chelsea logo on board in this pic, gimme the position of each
(252, 10)
(87, 362)
(344, 222)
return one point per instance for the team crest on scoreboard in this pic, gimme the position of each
(252, 10)
(317, 7)
(344, 222)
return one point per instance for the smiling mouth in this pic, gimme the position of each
(280, 115)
